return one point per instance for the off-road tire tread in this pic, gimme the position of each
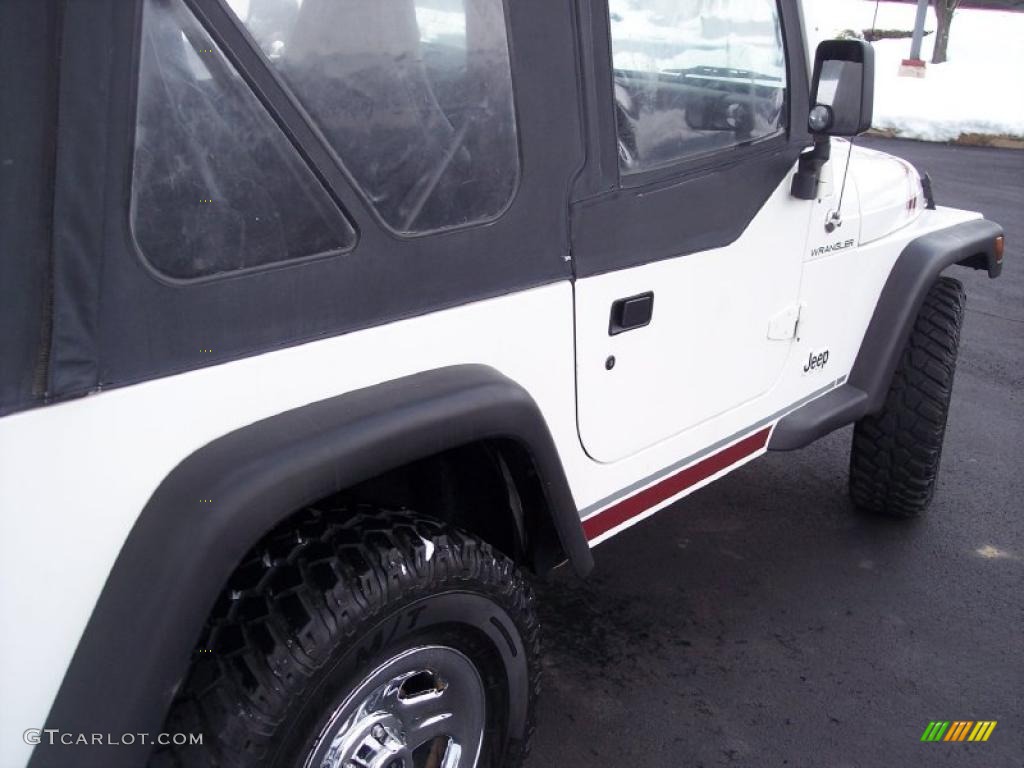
(895, 457)
(310, 585)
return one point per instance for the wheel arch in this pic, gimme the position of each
(182, 548)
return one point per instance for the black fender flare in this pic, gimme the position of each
(180, 551)
(971, 244)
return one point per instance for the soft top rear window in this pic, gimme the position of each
(414, 96)
(217, 187)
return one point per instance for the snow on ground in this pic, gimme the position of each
(979, 90)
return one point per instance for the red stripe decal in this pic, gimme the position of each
(628, 508)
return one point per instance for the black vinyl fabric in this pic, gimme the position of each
(703, 208)
(118, 322)
(28, 120)
(81, 194)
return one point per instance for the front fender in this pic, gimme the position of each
(972, 244)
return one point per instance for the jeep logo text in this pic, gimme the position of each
(816, 360)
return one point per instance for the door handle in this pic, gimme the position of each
(631, 312)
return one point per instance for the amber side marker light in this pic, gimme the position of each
(1000, 245)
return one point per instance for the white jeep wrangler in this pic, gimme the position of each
(325, 321)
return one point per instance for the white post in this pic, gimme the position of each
(915, 45)
(914, 66)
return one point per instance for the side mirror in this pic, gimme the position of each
(842, 88)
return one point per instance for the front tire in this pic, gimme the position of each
(895, 457)
(360, 640)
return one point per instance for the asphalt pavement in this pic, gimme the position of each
(763, 621)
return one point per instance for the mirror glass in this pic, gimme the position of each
(831, 71)
(839, 87)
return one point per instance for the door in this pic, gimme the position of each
(688, 269)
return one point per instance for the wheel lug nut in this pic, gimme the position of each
(379, 733)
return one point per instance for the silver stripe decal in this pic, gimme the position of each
(713, 448)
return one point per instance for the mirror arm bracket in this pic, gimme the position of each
(805, 180)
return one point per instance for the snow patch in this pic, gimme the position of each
(977, 91)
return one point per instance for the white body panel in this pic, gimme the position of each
(890, 193)
(840, 290)
(74, 476)
(706, 349)
(834, 198)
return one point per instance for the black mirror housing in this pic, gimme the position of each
(844, 83)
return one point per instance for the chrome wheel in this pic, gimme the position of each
(424, 708)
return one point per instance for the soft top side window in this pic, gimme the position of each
(414, 96)
(216, 185)
(695, 76)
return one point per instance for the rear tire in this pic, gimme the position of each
(309, 646)
(895, 457)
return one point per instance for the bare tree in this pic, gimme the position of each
(944, 10)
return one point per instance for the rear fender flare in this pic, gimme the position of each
(137, 644)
